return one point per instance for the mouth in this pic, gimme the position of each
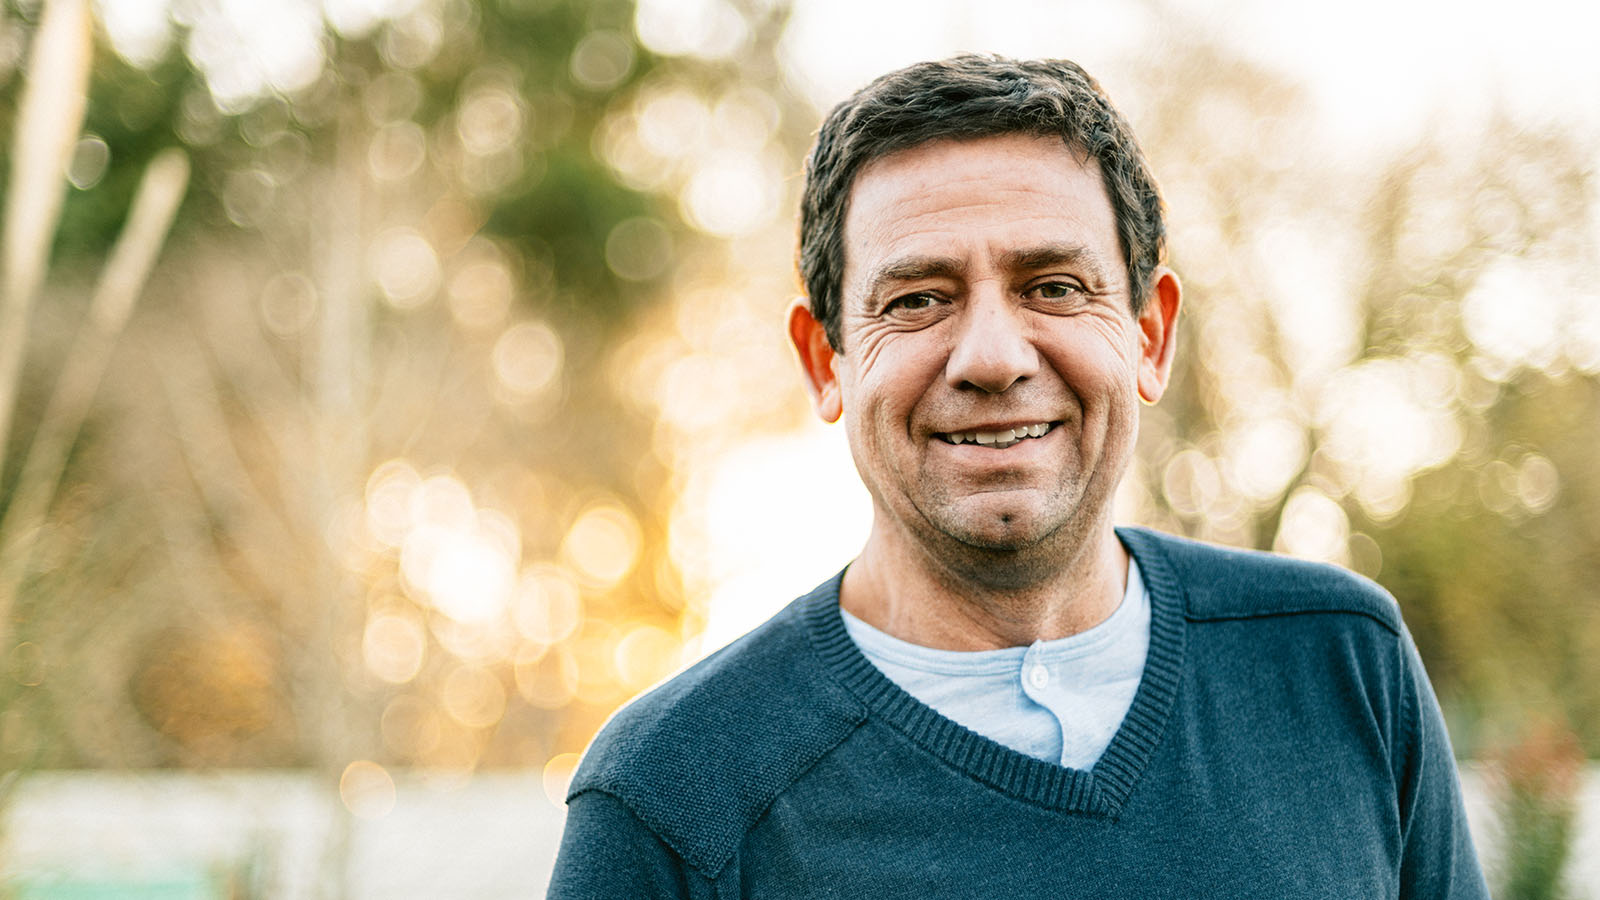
(998, 440)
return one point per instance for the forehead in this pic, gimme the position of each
(989, 196)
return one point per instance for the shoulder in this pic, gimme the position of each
(1226, 583)
(699, 759)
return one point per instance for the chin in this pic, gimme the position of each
(1001, 531)
(1004, 557)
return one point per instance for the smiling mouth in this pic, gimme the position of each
(998, 440)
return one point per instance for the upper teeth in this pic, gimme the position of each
(998, 437)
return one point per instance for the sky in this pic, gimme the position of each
(1378, 69)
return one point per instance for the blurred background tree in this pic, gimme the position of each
(1537, 784)
(403, 454)
(1392, 369)
(359, 484)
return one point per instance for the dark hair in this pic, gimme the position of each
(964, 98)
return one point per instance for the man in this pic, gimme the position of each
(1003, 695)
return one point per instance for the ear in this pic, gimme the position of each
(1158, 334)
(817, 360)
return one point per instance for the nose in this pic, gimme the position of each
(992, 349)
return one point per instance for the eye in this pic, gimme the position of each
(1055, 290)
(913, 302)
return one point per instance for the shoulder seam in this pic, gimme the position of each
(1406, 739)
(762, 813)
(1345, 594)
(660, 833)
(666, 835)
(1226, 616)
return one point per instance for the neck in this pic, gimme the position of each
(899, 588)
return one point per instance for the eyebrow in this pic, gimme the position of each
(1043, 256)
(915, 268)
(1046, 255)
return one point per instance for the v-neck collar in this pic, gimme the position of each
(1100, 790)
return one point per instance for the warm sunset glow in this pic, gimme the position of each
(603, 544)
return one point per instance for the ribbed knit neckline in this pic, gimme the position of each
(1101, 790)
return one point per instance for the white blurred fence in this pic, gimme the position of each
(177, 836)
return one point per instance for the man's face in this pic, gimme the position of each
(990, 366)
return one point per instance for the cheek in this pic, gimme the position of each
(1099, 361)
(896, 375)
(1095, 376)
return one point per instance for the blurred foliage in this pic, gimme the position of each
(1392, 364)
(359, 483)
(1537, 782)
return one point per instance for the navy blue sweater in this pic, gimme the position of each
(1284, 743)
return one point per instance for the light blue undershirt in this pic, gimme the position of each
(1059, 700)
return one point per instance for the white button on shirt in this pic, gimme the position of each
(1059, 700)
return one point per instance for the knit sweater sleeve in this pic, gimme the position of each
(1438, 860)
(607, 852)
